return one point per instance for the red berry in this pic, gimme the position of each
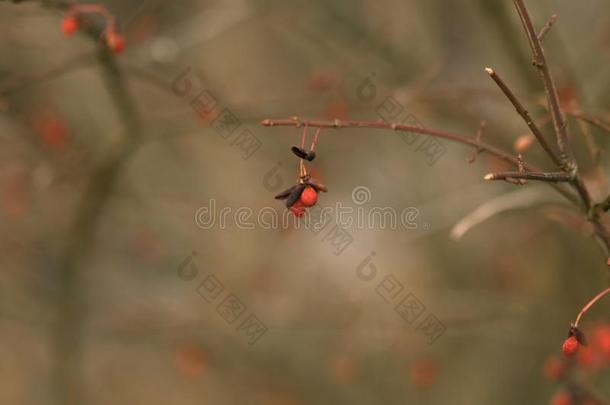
(561, 398)
(115, 42)
(554, 368)
(601, 340)
(570, 346)
(69, 25)
(309, 197)
(297, 209)
(588, 359)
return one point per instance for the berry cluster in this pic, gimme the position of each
(72, 21)
(588, 359)
(580, 356)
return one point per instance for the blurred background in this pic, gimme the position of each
(122, 282)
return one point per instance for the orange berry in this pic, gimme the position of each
(297, 209)
(587, 358)
(570, 346)
(524, 142)
(554, 368)
(423, 373)
(309, 197)
(561, 398)
(191, 360)
(115, 42)
(601, 339)
(69, 25)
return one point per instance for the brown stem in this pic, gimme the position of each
(550, 89)
(338, 124)
(552, 97)
(525, 115)
(551, 177)
(67, 330)
(589, 305)
(597, 122)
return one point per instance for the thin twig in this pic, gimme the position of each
(559, 123)
(597, 122)
(547, 79)
(477, 138)
(545, 29)
(379, 124)
(589, 305)
(551, 177)
(525, 115)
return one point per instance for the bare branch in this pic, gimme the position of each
(379, 124)
(551, 177)
(547, 80)
(525, 115)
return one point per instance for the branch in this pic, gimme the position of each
(68, 328)
(604, 126)
(550, 89)
(379, 124)
(525, 115)
(551, 177)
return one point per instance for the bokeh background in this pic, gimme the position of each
(106, 160)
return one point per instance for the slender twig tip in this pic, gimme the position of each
(489, 176)
(489, 71)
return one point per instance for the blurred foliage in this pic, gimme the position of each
(143, 335)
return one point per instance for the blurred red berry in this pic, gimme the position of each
(343, 369)
(321, 81)
(190, 360)
(309, 197)
(554, 368)
(51, 128)
(69, 25)
(601, 340)
(423, 373)
(587, 358)
(297, 209)
(115, 42)
(337, 110)
(561, 398)
(570, 346)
